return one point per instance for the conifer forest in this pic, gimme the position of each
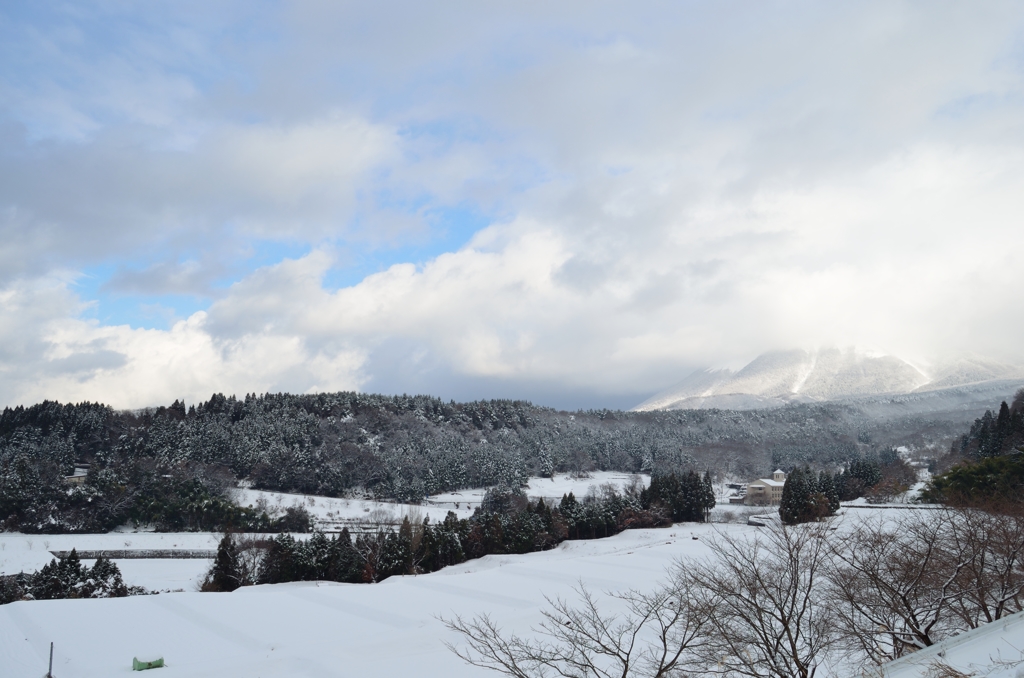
(170, 466)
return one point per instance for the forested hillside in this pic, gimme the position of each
(987, 463)
(169, 466)
(994, 434)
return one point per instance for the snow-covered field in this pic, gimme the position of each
(309, 629)
(334, 513)
(549, 489)
(328, 629)
(28, 553)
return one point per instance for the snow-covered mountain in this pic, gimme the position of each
(783, 377)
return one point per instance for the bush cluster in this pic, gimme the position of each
(65, 577)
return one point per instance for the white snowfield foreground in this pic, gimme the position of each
(978, 652)
(306, 629)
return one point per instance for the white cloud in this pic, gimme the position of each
(83, 203)
(76, 360)
(675, 186)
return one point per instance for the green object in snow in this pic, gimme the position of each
(142, 666)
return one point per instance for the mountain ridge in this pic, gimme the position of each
(779, 378)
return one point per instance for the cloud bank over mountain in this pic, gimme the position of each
(576, 204)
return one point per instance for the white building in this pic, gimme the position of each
(766, 491)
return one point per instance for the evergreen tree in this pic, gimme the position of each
(13, 587)
(223, 574)
(889, 457)
(315, 557)
(446, 542)
(521, 531)
(396, 555)
(1001, 430)
(806, 497)
(796, 496)
(66, 577)
(59, 578)
(984, 435)
(104, 581)
(686, 498)
(346, 565)
(278, 563)
(707, 496)
(572, 513)
(544, 513)
(827, 487)
(867, 473)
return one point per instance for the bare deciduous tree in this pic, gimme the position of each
(765, 594)
(377, 526)
(657, 636)
(251, 550)
(786, 602)
(894, 583)
(991, 585)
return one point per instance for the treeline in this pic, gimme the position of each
(810, 495)
(66, 578)
(993, 435)
(987, 464)
(154, 464)
(505, 523)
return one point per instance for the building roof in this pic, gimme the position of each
(971, 650)
(769, 482)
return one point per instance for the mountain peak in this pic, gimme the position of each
(780, 377)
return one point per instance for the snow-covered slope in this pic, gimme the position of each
(386, 629)
(968, 371)
(310, 629)
(782, 377)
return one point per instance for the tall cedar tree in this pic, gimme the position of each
(827, 486)
(224, 573)
(805, 497)
(687, 498)
(707, 495)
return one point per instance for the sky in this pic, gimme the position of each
(575, 203)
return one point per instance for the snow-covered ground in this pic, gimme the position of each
(334, 513)
(29, 552)
(549, 489)
(327, 629)
(309, 629)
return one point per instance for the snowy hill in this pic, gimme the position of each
(326, 629)
(782, 377)
(318, 629)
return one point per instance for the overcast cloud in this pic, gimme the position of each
(575, 203)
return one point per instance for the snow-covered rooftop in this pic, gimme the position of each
(770, 482)
(992, 650)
